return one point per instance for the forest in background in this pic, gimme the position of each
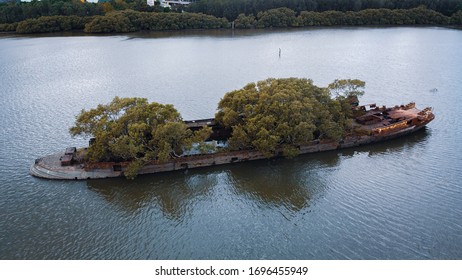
(135, 15)
(230, 9)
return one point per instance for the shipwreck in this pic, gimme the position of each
(374, 124)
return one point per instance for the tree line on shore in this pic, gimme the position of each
(131, 21)
(136, 15)
(118, 21)
(284, 17)
(12, 11)
(268, 116)
(230, 9)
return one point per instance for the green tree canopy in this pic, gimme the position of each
(132, 129)
(286, 113)
(270, 116)
(347, 88)
(281, 17)
(232, 8)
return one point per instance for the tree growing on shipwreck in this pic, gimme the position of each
(287, 113)
(134, 130)
(266, 116)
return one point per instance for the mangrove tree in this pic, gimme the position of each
(286, 113)
(134, 130)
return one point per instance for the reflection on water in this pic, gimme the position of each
(171, 191)
(392, 146)
(288, 183)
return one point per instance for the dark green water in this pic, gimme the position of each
(396, 200)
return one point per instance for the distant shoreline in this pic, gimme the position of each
(130, 21)
(210, 32)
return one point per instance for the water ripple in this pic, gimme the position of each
(395, 200)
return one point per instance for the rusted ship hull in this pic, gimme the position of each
(50, 167)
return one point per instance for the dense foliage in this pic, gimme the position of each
(232, 8)
(129, 21)
(284, 17)
(14, 12)
(269, 116)
(117, 21)
(132, 129)
(456, 18)
(8, 27)
(286, 113)
(52, 24)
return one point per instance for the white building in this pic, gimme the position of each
(164, 4)
(168, 3)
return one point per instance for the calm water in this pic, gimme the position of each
(396, 200)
